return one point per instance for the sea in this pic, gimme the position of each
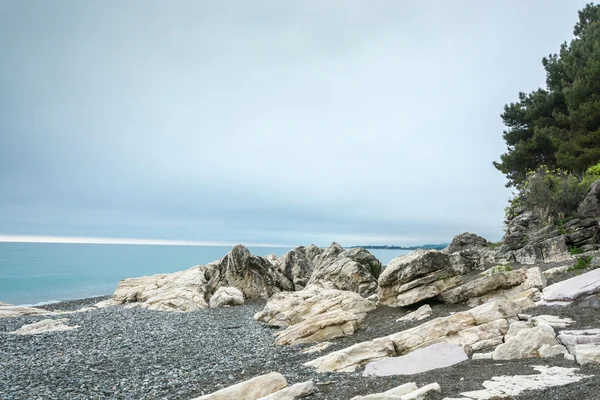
(43, 273)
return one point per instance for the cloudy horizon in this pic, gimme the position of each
(263, 122)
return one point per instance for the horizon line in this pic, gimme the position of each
(128, 241)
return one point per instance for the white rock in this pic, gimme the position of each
(251, 389)
(45, 326)
(554, 321)
(587, 353)
(421, 393)
(320, 327)
(483, 356)
(317, 348)
(439, 355)
(526, 341)
(556, 271)
(293, 392)
(507, 386)
(572, 338)
(289, 308)
(535, 279)
(421, 313)
(10, 311)
(227, 296)
(574, 288)
(547, 350)
(396, 392)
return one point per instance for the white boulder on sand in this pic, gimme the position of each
(421, 313)
(45, 326)
(227, 296)
(408, 391)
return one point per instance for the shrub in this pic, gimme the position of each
(582, 263)
(575, 250)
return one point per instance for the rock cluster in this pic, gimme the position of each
(220, 283)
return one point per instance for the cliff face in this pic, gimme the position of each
(528, 240)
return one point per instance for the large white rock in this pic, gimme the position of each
(293, 392)
(251, 389)
(45, 326)
(227, 296)
(11, 311)
(501, 387)
(289, 308)
(574, 288)
(439, 355)
(484, 285)
(320, 327)
(411, 271)
(535, 339)
(587, 353)
(584, 345)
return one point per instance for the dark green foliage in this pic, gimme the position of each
(582, 263)
(575, 250)
(559, 126)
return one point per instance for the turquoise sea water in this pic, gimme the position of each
(31, 273)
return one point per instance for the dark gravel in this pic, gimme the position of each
(122, 353)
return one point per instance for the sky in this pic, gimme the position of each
(297, 122)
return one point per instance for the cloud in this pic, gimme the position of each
(289, 122)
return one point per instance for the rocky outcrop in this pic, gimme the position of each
(414, 277)
(251, 389)
(466, 241)
(45, 326)
(476, 329)
(227, 296)
(584, 345)
(289, 308)
(11, 311)
(192, 289)
(355, 270)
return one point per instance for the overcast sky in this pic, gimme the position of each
(296, 122)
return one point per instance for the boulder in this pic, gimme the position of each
(293, 392)
(572, 338)
(422, 266)
(421, 313)
(355, 270)
(587, 353)
(320, 327)
(466, 241)
(484, 285)
(464, 261)
(488, 322)
(251, 389)
(11, 311)
(572, 289)
(424, 292)
(535, 339)
(227, 296)
(289, 308)
(438, 355)
(191, 290)
(590, 206)
(45, 326)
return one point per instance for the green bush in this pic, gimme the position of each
(575, 250)
(582, 263)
